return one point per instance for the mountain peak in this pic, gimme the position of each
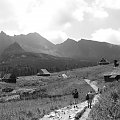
(3, 33)
(34, 33)
(69, 41)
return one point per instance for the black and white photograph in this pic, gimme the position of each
(59, 59)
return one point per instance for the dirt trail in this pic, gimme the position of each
(69, 112)
(93, 85)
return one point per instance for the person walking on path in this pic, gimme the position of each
(75, 96)
(116, 64)
(89, 98)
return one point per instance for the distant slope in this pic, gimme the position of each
(69, 48)
(11, 51)
(5, 41)
(88, 49)
(34, 42)
(15, 59)
(15, 47)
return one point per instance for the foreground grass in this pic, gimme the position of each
(59, 95)
(37, 108)
(108, 107)
(29, 109)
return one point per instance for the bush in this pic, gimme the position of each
(7, 90)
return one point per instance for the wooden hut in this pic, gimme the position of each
(43, 72)
(112, 76)
(9, 78)
(103, 61)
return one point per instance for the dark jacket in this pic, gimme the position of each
(75, 94)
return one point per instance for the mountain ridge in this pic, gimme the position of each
(89, 49)
(82, 49)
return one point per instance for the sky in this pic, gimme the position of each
(58, 20)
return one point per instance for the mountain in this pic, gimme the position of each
(5, 41)
(15, 58)
(97, 50)
(13, 48)
(88, 49)
(68, 48)
(82, 50)
(34, 42)
(11, 52)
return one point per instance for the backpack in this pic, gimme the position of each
(75, 94)
(87, 97)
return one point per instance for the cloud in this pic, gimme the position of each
(112, 4)
(56, 36)
(8, 21)
(66, 17)
(47, 15)
(97, 12)
(107, 35)
(6, 11)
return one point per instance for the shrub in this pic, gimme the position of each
(114, 96)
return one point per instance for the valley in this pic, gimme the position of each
(32, 96)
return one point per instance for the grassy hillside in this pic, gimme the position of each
(56, 92)
(53, 94)
(108, 107)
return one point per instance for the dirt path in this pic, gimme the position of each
(69, 112)
(95, 100)
(66, 113)
(92, 84)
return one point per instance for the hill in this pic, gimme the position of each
(5, 41)
(34, 42)
(15, 59)
(13, 48)
(88, 49)
(54, 92)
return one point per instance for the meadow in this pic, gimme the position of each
(108, 107)
(53, 92)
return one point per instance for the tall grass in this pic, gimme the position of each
(108, 107)
(36, 108)
(30, 109)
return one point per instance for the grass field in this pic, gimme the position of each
(108, 107)
(57, 89)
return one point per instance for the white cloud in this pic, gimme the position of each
(6, 11)
(55, 36)
(41, 16)
(112, 4)
(67, 25)
(54, 18)
(94, 9)
(97, 12)
(46, 15)
(107, 35)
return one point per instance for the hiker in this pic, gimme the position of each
(99, 91)
(75, 96)
(89, 98)
(116, 64)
